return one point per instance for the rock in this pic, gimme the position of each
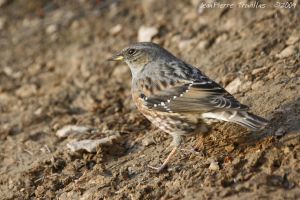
(90, 145)
(116, 29)
(26, 90)
(246, 86)
(51, 29)
(185, 44)
(287, 52)
(295, 37)
(257, 85)
(259, 70)
(229, 148)
(234, 86)
(147, 141)
(214, 166)
(146, 33)
(203, 44)
(221, 38)
(71, 129)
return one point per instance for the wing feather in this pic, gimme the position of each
(192, 93)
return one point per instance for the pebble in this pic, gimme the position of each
(287, 52)
(221, 38)
(146, 33)
(234, 86)
(259, 70)
(147, 141)
(257, 85)
(185, 44)
(203, 44)
(26, 90)
(214, 166)
(229, 148)
(51, 29)
(71, 129)
(116, 29)
(246, 86)
(90, 145)
(295, 37)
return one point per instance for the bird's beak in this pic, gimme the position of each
(116, 57)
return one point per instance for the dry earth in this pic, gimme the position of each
(53, 73)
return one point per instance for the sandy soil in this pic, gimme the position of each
(53, 73)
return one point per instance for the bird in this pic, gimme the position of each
(177, 97)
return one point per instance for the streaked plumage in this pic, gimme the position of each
(177, 97)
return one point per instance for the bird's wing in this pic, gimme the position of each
(194, 94)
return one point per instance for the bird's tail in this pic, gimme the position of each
(249, 120)
(242, 118)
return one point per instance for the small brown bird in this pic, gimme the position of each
(177, 97)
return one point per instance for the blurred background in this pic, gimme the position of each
(54, 73)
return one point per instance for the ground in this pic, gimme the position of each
(54, 73)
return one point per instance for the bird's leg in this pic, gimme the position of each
(176, 143)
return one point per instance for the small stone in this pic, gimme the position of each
(185, 44)
(280, 132)
(51, 29)
(221, 38)
(257, 85)
(214, 166)
(234, 86)
(146, 33)
(147, 141)
(295, 37)
(259, 70)
(203, 44)
(229, 148)
(91, 145)
(287, 52)
(246, 86)
(116, 29)
(286, 150)
(71, 129)
(26, 90)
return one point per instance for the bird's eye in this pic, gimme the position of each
(131, 51)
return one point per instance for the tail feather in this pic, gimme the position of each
(242, 118)
(250, 120)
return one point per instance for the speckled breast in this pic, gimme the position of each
(172, 123)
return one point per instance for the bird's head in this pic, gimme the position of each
(138, 55)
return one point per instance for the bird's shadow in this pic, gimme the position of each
(284, 128)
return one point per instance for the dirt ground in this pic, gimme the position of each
(53, 73)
